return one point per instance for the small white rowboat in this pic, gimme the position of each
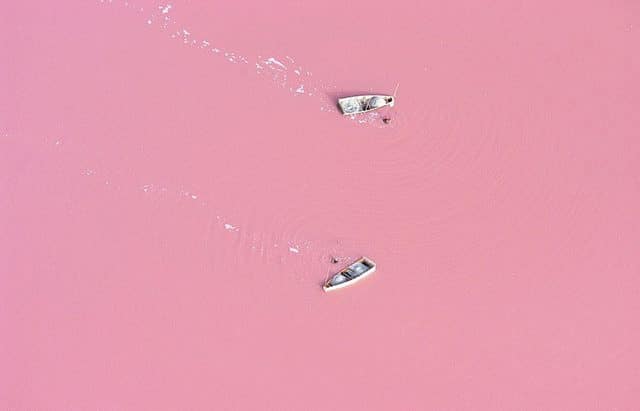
(362, 104)
(351, 275)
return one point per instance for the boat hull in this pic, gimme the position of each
(362, 104)
(351, 275)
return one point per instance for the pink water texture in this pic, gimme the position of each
(175, 179)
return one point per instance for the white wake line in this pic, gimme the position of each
(159, 191)
(283, 71)
(295, 251)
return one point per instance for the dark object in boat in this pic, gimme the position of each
(386, 120)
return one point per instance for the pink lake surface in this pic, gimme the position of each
(175, 177)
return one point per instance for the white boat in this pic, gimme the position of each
(362, 104)
(351, 275)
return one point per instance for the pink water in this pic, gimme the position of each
(174, 178)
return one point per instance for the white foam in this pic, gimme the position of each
(272, 60)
